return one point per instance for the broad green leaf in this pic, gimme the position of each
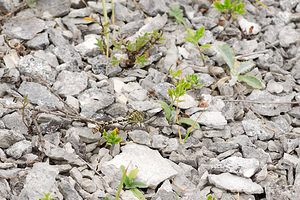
(227, 4)
(205, 46)
(127, 181)
(137, 193)
(177, 13)
(244, 67)
(133, 173)
(251, 81)
(233, 80)
(166, 108)
(227, 54)
(189, 121)
(209, 197)
(136, 184)
(218, 6)
(106, 198)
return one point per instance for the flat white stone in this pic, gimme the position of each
(153, 168)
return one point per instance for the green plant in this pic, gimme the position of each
(31, 4)
(177, 13)
(193, 38)
(113, 137)
(47, 196)
(181, 86)
(209, 197)
(130, 184)
(137, 51)
(231, 7)
(237, 68)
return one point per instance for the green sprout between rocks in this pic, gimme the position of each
(209, 197)
(30, 3)
(192, 36)
(112, 138)
(181, 86)
(137, 51)
(130, 184)
(237, 68)
(47, 196)
(231, 7)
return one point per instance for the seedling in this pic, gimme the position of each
(137, 51)
(193, 38)
(30, 3)
(130, 184)
(177, 13)
(113, 137)
(209, 197)
(181, 86)
(237, 68)
(231, 7)
(47, 196)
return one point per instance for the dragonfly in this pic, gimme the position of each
(134, 117)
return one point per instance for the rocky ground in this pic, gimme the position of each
(243, 150)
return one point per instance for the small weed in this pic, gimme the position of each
(47, 196)
(237, 68)
(177, 13)
(130, 184)
(231, 7)
(209, 197)
(193, 38)
(137, 51)
(181, 86)
(30, 3)
(113, 137)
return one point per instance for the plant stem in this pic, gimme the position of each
(106, 33)
(177, 105)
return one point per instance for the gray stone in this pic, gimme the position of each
(270, 109)
(70, 83)
(30, 66)
(117, 110)
(295, 112)
(88, 185)
(145, 159)
(173, 145)
(5, 189)
(161, 91)
(83, 12)
(172, 54)
(122, 13)
(48, 57)
(93, 100)
(67, 54)
(84, 133)
(221, 147)
(288, 36)
(144, 105)
(207, 22)
(23, 28)
(290, 160)
(140, 137)
(154, 7)
(246, 26)
(262, 174)
(211, 119)
(97, 6)
(257, 153)
(8, 138)
(274, 87)
(67, 189)
(40, 178)
(88, 47)
(187, 102)
(255, 128)
(14, 122)
(165, 192)
(40, 95)
(245, 46)
(235, 183)
(11, 59)
(99, 66)
(19, 148)
(159, 141)
(40, 41)
(131, 27)
(55, 8)
(245, 167)
(280, 191)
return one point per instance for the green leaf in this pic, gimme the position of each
(227, 4)
(251, 81)
(137, 193)
(166, 108)
(205, 46)
(199, 33)
(106, 198)
(177, 13)
(209, 197)
(133, 173)
(244, 67)
(227, 54)
(189, 121)
(218, 6)
(136, 184)
(127, 181)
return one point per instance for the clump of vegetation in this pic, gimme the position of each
(231, 7)
(112, 138)
(192, 36)
(47, 196)
(127, 181)
(137, 51)
(181, 86)
(237, 68)
(30, 3)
